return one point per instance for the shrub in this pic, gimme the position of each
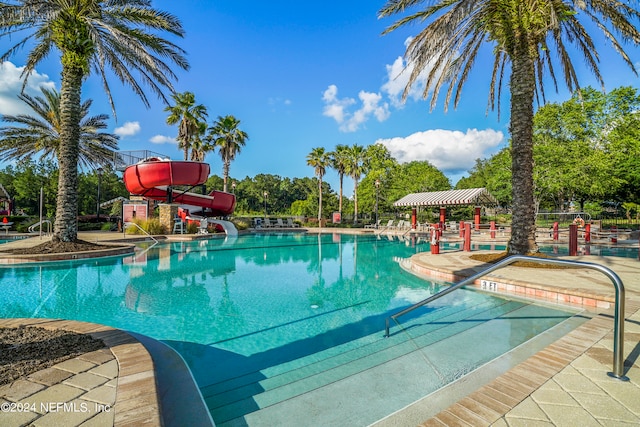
(242, 223)
(151, 226)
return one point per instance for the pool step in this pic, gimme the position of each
(446, 328)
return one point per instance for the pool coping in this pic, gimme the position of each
(136, 400)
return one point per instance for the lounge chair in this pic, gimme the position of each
(376, 225)
(291, 224)
(279, 223)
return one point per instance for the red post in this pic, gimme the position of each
(461, 228)
(414, 218)
(435, 241)
(493, 229)
(476, 217)
(573, 239)
(467, 238)
(587, 233)
(443, 216)
(556, 233)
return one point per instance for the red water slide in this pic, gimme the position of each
(154, 178)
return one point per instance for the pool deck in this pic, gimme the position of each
(565, 384)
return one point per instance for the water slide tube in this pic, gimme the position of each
(153, 178)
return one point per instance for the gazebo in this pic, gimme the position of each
(472, 196)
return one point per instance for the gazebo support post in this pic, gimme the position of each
(476, 217)
(443, 217)
(414, 218)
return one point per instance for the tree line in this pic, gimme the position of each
(586, 153)
(529, 42)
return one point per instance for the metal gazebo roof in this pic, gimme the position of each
(470, 196)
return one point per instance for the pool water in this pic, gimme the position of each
(274, 325)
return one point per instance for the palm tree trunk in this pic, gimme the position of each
(66, 222)
(320, 202)
(340, 202)
(355, 201)
(225, 173)
(523, 239)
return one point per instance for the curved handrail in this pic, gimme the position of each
(618, 328)
(39, 224)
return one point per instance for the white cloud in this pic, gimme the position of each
(398, 75)
(162, 139)
(128, 129)
(445, 149)
(11, 87)
(338, 109)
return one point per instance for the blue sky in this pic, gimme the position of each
(300, 75)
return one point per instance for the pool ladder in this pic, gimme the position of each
(618, 327)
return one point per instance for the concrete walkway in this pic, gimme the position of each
(566, 384)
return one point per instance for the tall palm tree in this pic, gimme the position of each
(40, 134)
(226, 135)
(526, 37)
(90, 36)
(199, 147)
(318, 159)
(356, 166)
(339, 158)
(189, 117)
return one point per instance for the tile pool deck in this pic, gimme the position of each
(565, 384)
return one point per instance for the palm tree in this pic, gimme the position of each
(225, 135)
(199, 147)
(524, 36)
(319, 160)
(339, 158)
(356, 166)
(41, 133)
(90, 35)
(189, 118)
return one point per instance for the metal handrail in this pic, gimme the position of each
(618, 328)
(127, 224)
(39, 225)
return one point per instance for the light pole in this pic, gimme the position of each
(377, 196)
(99, 173)
(233, 187)
(265, 204)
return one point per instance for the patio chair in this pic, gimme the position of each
(202, 229)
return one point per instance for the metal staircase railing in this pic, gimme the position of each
(618, 328)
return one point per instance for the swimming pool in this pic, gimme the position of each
(281, 326)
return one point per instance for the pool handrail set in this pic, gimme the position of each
(155, 178)
(618, 328)
(38, 226)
